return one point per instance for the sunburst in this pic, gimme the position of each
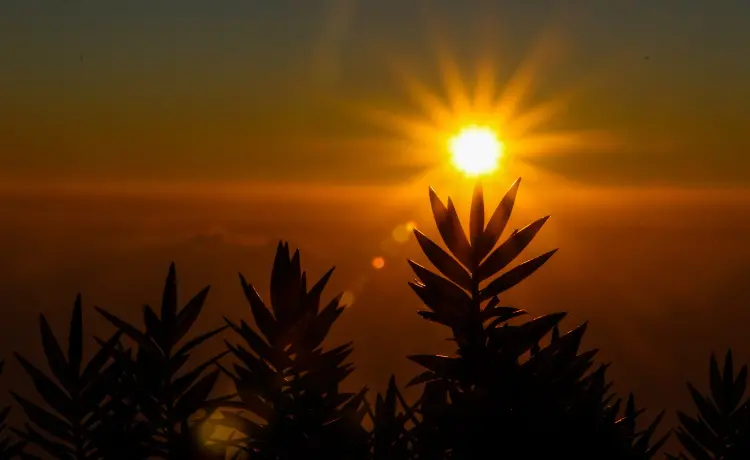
(503, 108)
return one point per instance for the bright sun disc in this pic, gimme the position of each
(476, 150)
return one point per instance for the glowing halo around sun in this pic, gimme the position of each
(476, 150)
(452, 126)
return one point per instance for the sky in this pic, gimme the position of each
(249, 90)
(137, 133)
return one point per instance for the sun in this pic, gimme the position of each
(476, 150)
(493, 125)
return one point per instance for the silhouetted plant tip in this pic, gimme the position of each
(721, 429)
(9, 448)
(285, 378)
(503, 385)
(165, 397)
(78, 397)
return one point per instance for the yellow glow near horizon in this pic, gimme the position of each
(476, 150)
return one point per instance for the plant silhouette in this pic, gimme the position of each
(721, 430)
(521, 389)
(76, 394)
(286, 380)
(392, 435)
(503, 387)
(9, 448)
(165, 397)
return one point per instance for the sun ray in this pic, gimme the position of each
(525, 131)
(448, 68)
(536, 117)
(411, 127)
(484, 90)
(486, 65)
(557, 142)
(428, 101)
(522, 81)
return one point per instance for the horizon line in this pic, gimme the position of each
(290, 188)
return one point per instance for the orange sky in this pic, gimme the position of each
(268, 91)
(132, 135)
(660, 273)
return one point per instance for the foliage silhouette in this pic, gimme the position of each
(503, 387)
(76, 394)
(164, 398)
(516, 388)
(392, 435)
(285, 379)
(721, 430)
(9, 448)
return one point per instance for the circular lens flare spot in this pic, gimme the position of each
(401, 233)
(378, 263)
(347, 299)
(476, 150)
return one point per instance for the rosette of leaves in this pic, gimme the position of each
(503, 387)
(288, 384)
(9, 448)
(721, 429)
(77, 394)
(464, 298)
(166, 395)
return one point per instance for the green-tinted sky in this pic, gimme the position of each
(237, 89)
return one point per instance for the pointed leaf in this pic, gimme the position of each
(450, 229)
(56, 360)
(131, 331)
(195, 398)
(285, 282)
(440, 285)
(263, 318)
(476, 219)
(707, 410)
(739, 387)
(443, 306)
(728, 385)
(700, 432)
(313, 297)
(514, 276)
(53, 395)
(47, 421)
(521, 338)
(181, 384)
(503, 314)
(169, 299)
(155, 328)
(56, 449)
(498, 221)
(98, 361)
(509, 249)
(444, 262)
(717, 384)
(189, 345)
(442, 366)
(187, 316)
(693, 448)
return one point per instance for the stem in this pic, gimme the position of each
(475, 326)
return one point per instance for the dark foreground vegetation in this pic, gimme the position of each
(524, 386)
